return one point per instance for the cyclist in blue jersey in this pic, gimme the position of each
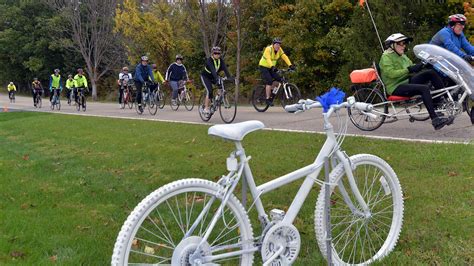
(143, 73)
(452, 38)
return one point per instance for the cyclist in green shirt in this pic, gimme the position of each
(156, 76)
(55, 84)
(69, 87)
(80, 83)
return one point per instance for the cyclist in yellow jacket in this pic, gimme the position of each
(267, 65)
(69, 87)
(80, 83)
(11, 89)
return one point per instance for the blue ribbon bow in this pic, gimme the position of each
(333, 96)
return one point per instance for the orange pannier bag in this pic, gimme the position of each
(366, 75)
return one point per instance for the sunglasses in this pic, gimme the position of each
(401, 43)
(217, 53)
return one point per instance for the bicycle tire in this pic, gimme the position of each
(78, 103)
(468, 105)
(382, 175)
(161, 99)
(189, 100)
(228, 104)
(417, 111)
(374, 97)
(130, 99)
(204, 117)
(39, 102)
(175, 106)
(58, 105)
(84, 103)
(259, 98)
(123, 100)
(152, 106)
(148, 228)
(294, 95)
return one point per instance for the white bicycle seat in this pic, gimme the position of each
(235, 132)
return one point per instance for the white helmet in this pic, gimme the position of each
(396, 37)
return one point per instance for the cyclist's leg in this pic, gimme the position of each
(174, 86)
(75, 92)
(138, 86)
(426, 76)
(33, 92)
(267, 80)
(51, 94)
(206, 82)
(120, 94)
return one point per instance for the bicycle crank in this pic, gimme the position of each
(182, 254)
(281, 245)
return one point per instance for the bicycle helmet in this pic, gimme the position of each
(80, 71)
(276, 40)
(69, 76)
(396, 37)
(35, 79)
(56, 70)
(144, 58)
(216, 50)
(124, 68)
(179, 56)
(11, 82)
(457, 18)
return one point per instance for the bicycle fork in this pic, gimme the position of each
(355, 190)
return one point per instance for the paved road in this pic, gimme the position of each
(275, 118)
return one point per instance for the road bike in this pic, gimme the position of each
(452, 100)
(11, 96)
(56, 101)
(225, 100)
(127, 99)
(289, 93)
(148, 100)
(70, 96)
(81, 100)
(200, 222)
(38, 102)
(160, 96)
(185, 97)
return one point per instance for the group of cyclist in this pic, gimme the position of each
(403, 78)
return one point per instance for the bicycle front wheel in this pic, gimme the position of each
(228, 106)
(204, 116)
(291, 96)
(259, 99)
(468, 106)
(161, 99)
(154, 233)
(152, 106)
(188, 100)
(84, 105)
(363, 121)
(358, 238)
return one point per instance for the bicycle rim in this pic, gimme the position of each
(152, 106)
(228, 106)
(292, 96)
(154, 231)
(358, 240)
(189, 100)
(361, 120)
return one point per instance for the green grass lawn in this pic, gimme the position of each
(67, 184)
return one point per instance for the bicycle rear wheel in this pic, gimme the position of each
(228, 106)
(123, 101)
(293, 96)
(259, 98)
(154, 232)
(363, 121)
(356, 238)
(84, 104)
(161, 97)
(204, 116)
(188, 100)
(468, 106)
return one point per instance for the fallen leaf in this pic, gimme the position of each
(17, 254)
(53, 258)
(149, 250)
(452, 173)
(26, 157)
(135, 243)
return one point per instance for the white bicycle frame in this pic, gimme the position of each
(309, 172)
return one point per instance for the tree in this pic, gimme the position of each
(90, 26)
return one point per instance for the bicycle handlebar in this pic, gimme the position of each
(307, 104)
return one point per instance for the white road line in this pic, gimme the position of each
(272, 129)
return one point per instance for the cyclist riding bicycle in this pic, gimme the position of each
(37, 89)
(55, 84)
(209, 76)
(11, 89)
(156, 76)
(452, 38)
(69, 87)
(268, 69)
(124, 78)
(175, 73)
(403, 78)
(80, 83)
(143, 73)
